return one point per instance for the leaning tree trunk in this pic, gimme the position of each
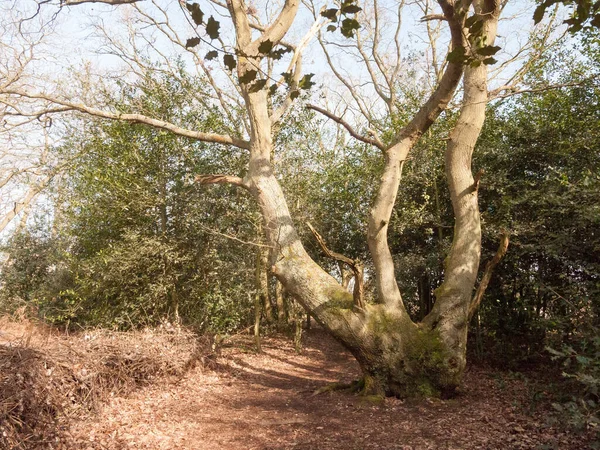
(397, 356)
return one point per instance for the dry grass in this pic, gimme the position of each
(47, 378)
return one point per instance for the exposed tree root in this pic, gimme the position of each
(359, 387)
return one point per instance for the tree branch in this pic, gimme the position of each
(372, 141)
(108, 2)
(487, 274)
(356, 266)
(138, 118)
(221, 179)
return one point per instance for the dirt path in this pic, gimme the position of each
(265, 402)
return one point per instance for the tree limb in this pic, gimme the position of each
(356, 266)
(487, 274)
(221, 179)
(108, 2)
(372, 141)
(138, 118)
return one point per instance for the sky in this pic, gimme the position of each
(75, 60)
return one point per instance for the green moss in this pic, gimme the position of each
(338, 299)
(426, 365)
(425, 388)
(427, 350)
(382, 323)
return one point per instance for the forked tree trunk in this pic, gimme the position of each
(397, 356)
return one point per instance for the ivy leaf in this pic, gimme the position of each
(249, 76)
(331, 28)
(197, 14)
(257, 85)
(229, 62)
(349, 26)
(265, 47)
(273, 89)
(211, 55)
(192, 42)
(490, 61)
(488, 50)
(294, 94)
(330, 14)
(212, 28)
(306, 81)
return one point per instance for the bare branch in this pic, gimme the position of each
(108, 2)
(372, 141)
(487, 274)
(138, 118)
(433, 17)
(221, 179)
(356, 266)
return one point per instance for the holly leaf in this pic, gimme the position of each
(351, 9)
(287, 76)
(349, 27)
(476, 28)
(278, 53)
(265, 47)
(538, 15)
(257, 85)
(212, 28)
(457, 55)
(306, 81)
(330, 14)
(488, 50)
(249, 76)
(211, 55)
(197, 14)
(192, 42)
(229, 62)
(471, 20)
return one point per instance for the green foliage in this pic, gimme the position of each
(37, 275)
(583, 367)
(583, 14)
(137, 245)
(348, 25)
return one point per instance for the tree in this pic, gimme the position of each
(542, 146)
(397, 355)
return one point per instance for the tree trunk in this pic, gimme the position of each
(450, 314)
(262, 282)
(280, 301)
(397, 356)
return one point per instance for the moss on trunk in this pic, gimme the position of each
(401, 359)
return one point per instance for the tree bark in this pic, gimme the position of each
(397, 356)
(450, 313)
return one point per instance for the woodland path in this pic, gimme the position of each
(266, 401)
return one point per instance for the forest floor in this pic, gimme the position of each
(244, 400)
